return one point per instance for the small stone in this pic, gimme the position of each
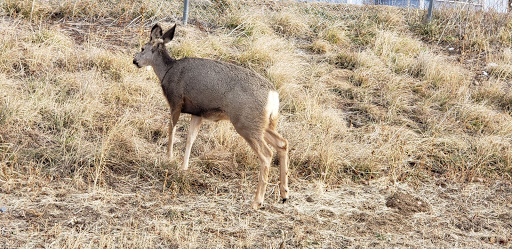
(310, 199)
(407, 203)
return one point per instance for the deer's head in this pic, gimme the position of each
(155, 46)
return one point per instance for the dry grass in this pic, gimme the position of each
(368, 96)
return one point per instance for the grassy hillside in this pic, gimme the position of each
(367, 93)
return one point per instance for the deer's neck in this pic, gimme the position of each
(162, 64)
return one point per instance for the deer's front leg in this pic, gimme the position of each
(172, 129)
(195, 124)
(170, 142)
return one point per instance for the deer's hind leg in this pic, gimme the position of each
(257, 143)
(281, 146)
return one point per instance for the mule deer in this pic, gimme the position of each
(216, 90)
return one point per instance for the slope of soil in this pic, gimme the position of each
(217, 214)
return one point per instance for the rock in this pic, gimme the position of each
(406, 203)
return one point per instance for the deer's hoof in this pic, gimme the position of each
(256, 205)
(284, 193)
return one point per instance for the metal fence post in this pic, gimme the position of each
(185, 13)
(430, 7)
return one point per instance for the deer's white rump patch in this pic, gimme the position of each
(272, 106)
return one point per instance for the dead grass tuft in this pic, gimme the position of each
(289, 22)
(500, 66)
(336, 36)
(320, 46)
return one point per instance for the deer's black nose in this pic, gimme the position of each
(135, 63)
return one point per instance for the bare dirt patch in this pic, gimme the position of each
(317, 216)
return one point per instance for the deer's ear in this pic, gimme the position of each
(169, 34)
(156, 33)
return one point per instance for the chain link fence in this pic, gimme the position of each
(472, 25)
(498, 6)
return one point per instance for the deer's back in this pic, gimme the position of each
(208, 86)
